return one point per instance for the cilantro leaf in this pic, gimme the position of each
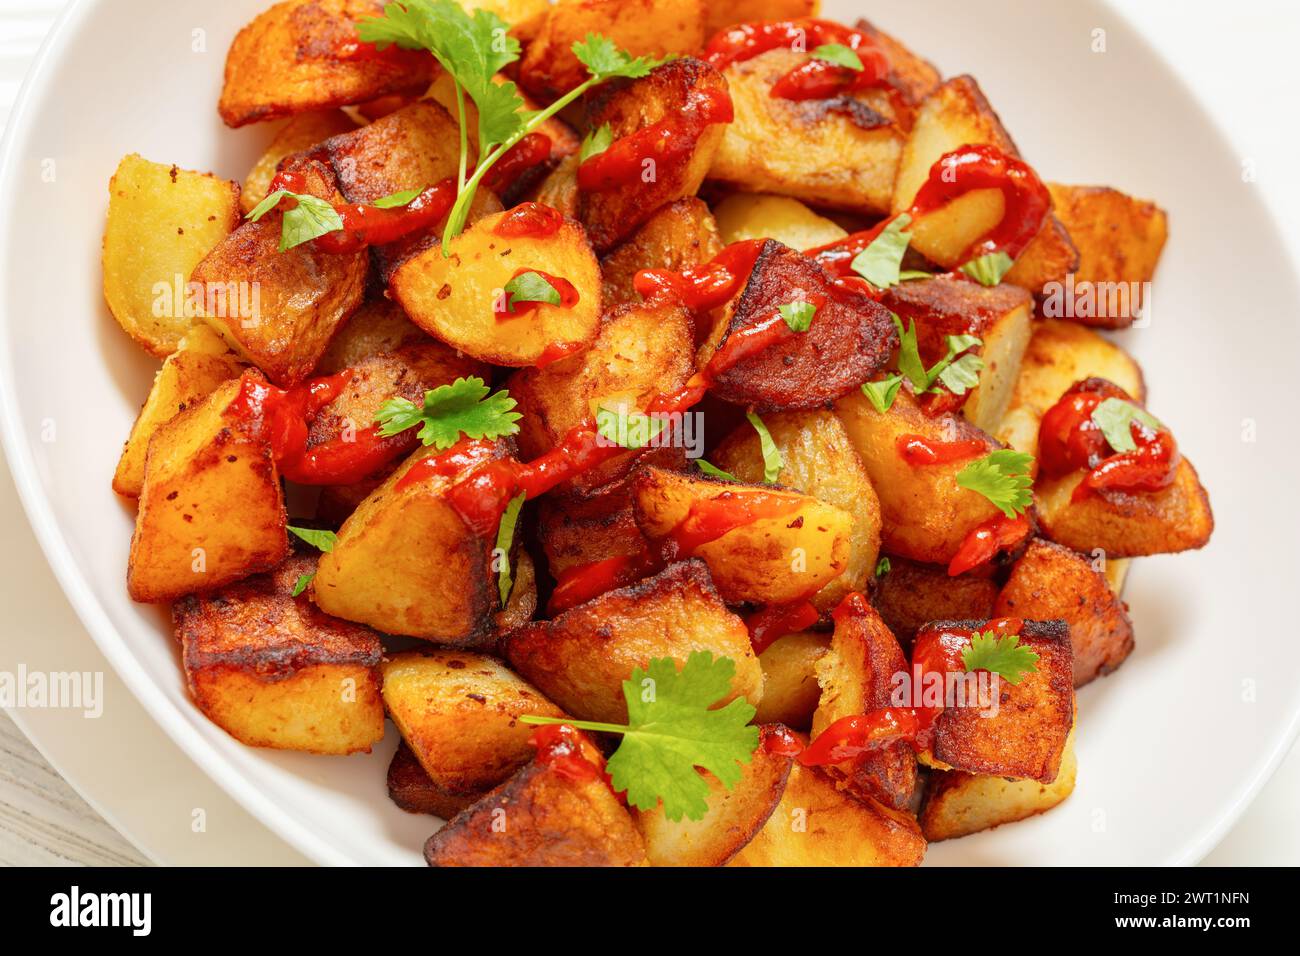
(879, 262)
(463, 407)
(881, 394)
(989, 269)
(310, 218)
(798, 315)
(505, 537)
(838, 54)
(999, 655)
(713, 471)
(596, 142)
(907, 275)
(883, 567)
(962, 374)
(394, 200)
(530, 287)
(909, 355)
(322, 540)
(1115, 418)
(772, 461)
(301, 584)
(266, 205)
(629, 429)
(1003, 478)
(606, 61)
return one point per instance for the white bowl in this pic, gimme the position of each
(1171, 748)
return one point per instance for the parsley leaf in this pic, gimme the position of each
(1115, 418)
(628, 429)
(322, 540)
(1003, 478)
(798, 315)
(989, 269)
(772, 461)
(907, 275)
(301, 584)
(838, 54)
(505, 537)
(879, 262)
(596, 142)
(606, 61)
(530, 287)
(999, 655)
(309, 219)
(463, 407)
(672, 729)
(962, 374)
(883, 567)
(909, 355)
(881, 394)
(394, 200)
(713, 471)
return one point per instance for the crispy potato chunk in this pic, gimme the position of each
(912, 595)
(653, 28)
(273, 671)
(790, 689)
(926, 514)
(411, 789)
(1050, 582)
(841, 152)
(916, 77)
(720, 15)
(379, 325)
(576, 531)
(819, 461)
(459, 712)
(298, 135)
(286, 61)
(162, 221)
(211, 509)
(190, 374)
(581, 658)
(733, 817)
(958, 804)
(559, 187)
(1025, 738)
(454, 297)
(612, 214)
(760, 216)
(815, 824)
(772, 560)
(542, 817)
(678, 236)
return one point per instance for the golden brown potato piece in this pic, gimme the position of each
(162, 221)
(958, 804)
(287, 61)
(581, 658)
(856, 676)
(733, 817)
(816, 824)
(760, 216)
(911, 595)
(211, 509)
(541, 817)
(1050, 582)
(1119, 239)
(797, 548)
(1001, 317)
(455, 297)
(841, 152)
(1026, 736)
(653, 28)
(372, 575)
(298, 135)
(851, 337)
(273, 671)
(642, 351)
(411, 789)
(819, 461)
(190, 374)
(460, 714)
(926, 514)
(720, 15)
(915, 77)
(379, 325)
(612, 214)
(577, 531)
(559, 187)
(1127, 524)
(790, 689)
(676, 237)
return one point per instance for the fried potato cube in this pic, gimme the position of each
(733, 818)
(790, 688)
(162, 221)
(1001, 317)
(542, 817)
(559, 187)
(654, 28)
(286, 61)
(1025, 738)
(641, 351)
(911, 595)
(379, 325)
(1125, 524)
(406, 563)
(857, 675)
(211, 509)
(459, 712)
(926, 514)
(298, 135)
(816, 824)
(581, 658)
(576, 531)
(190, 374)
(761, 216)
(801, 547)
(841, 152)
(411, 789)
(610, 215)
(455, 297)
(850, 338)
(678, 236)
(274, 671)
(958, 804)
(818, 460)
(1050, 582)
(914, 76)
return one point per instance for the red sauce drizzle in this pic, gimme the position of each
(983, 543)
(559, 749)
(529, 220)
(816, 79)
(533, 150)
(701, 288)
(711, 518)
(769, 624)
(918, 451)
(582, 582)
(779, 741)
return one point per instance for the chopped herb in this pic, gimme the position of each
(449, 411)
(989, 269)
(321, 540)
(1115, 418)
(772, 461)
(798, 315)
(999, 655)
(505, 538)
(879, 262)
(1003, 478)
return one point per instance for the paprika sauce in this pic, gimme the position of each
(817, 79)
